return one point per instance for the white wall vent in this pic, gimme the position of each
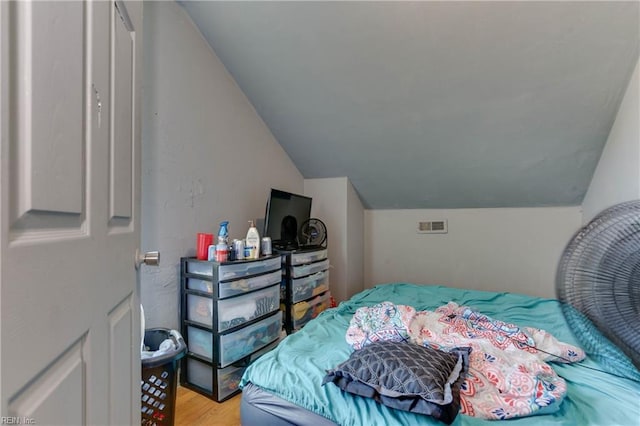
(433, 227)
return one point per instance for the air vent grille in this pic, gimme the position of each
(432, 227)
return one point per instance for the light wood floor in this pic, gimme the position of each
(193, 409)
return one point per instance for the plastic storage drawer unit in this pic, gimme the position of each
(200, 342)
(304, 312)
(200, 285)
(311, 268)
(230, 313)
(233, 270)
(307, 287)
(304, 289)
(235, 311)
(201, 375)
(244, 285)
(237, 345)
(308, 257)
(233, 288)
(225, 384)
(239, 310)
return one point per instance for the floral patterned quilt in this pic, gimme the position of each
(508, 373)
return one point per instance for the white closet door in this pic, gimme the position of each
(70, 206)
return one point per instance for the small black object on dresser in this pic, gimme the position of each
(305, 286)
(230, 315)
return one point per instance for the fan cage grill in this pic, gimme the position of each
(599, 275)
(313, 232)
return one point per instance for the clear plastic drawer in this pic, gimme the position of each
(311, 268)
(233, 270)
(230, 271)
(200, 342)
(200, 267)
(239, 344)
(199, 374)
(308, 257)
(239, 310)
(303, 312)
(200, 285)
(231, 288)
(200, 309)
(228, 380)
(309, 286)
(235, 311)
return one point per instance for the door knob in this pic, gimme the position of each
(151, 258)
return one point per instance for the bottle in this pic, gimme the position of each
(222, 248)
(253, 241)
(231, 253)
(222, 252)
(238, 245)
(223, 233)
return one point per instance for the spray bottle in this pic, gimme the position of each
(223, 233)
(222, 248)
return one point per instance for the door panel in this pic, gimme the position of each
(69, 167)
(50, 64)
(122, 46)
(60, 386)
(121, 323)
(47, 144)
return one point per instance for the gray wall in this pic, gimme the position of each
(355, 241)
(207, 156)
(434, 104)
(617, 176)
(502, 249)
(338, 205)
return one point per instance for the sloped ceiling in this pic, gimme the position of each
(434, 104)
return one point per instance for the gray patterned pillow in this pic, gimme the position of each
(405, 376)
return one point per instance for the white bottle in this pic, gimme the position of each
(253, 241)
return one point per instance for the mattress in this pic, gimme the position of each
(598, 393)
(259, 407)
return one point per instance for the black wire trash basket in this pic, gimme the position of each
(159, 377)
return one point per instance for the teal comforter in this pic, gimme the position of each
(295, 369)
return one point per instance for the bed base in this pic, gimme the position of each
(259, 407)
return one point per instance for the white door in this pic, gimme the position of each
(70, 209)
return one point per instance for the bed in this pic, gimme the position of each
(285, 386)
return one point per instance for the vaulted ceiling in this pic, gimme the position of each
(434, 104)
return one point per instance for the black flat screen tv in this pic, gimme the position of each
(286, 212)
